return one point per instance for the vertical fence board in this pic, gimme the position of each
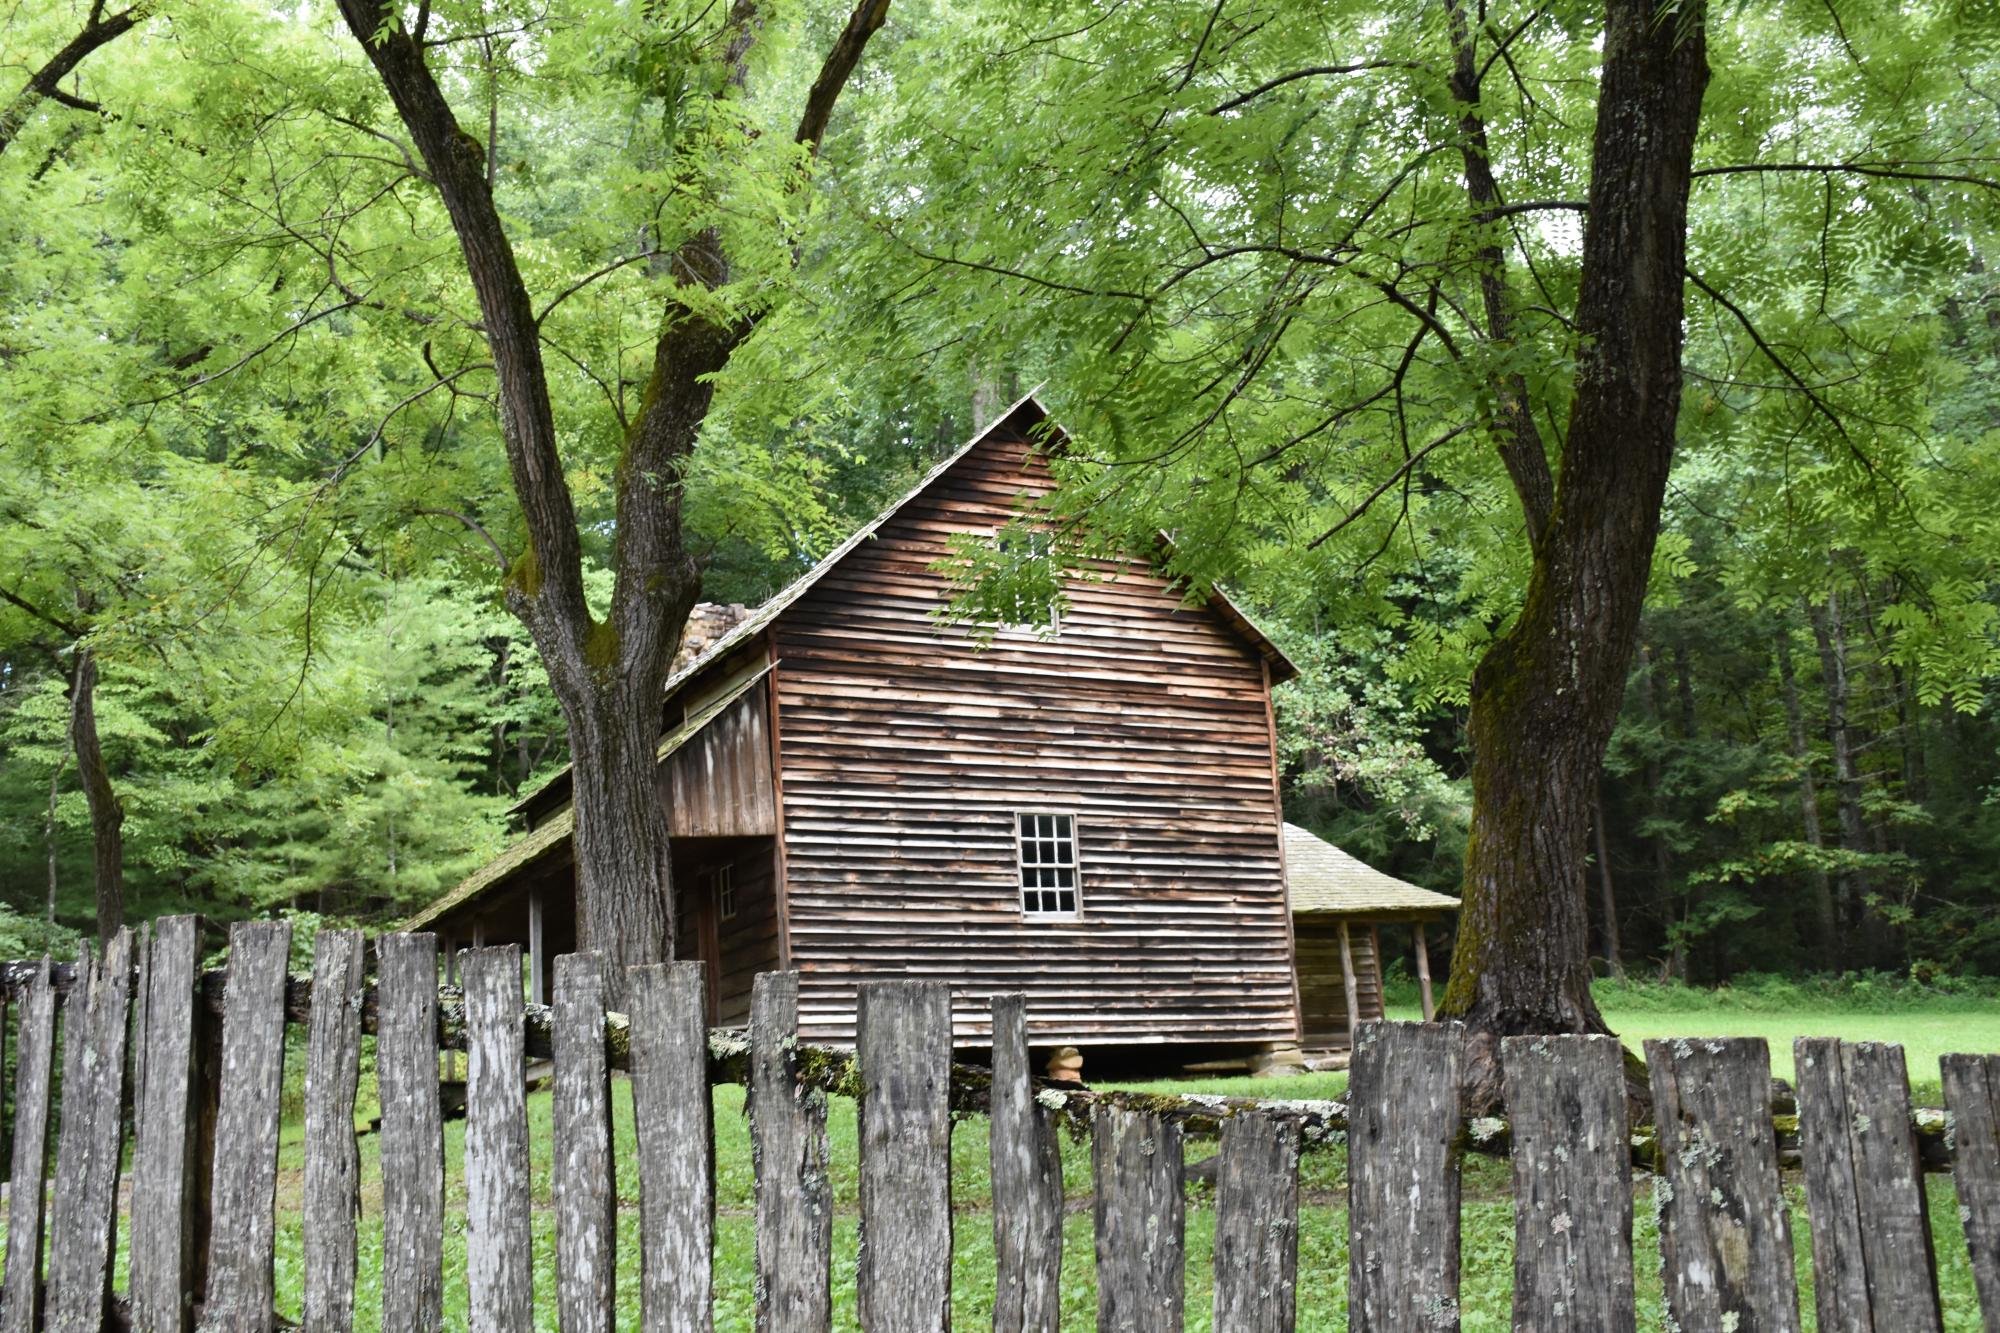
(1972, 1095)
(1402, 1176)
(674, 1114)
(406, 1062)
(1572, 1167)
(1902, 1258)
(163, 1158)
(20, 1299)
(788, 1153)
(82, 1217)
(499, 1237)
(1257, 1224)
(1725, 1235)
(1026, 1164)
(240, 1278)
(904, 1046)
(333, 1159)
(1871, 1235)
(582, 1184)
(1140, 1222)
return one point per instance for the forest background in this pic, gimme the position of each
(255, 520)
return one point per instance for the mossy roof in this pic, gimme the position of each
(1324, 879)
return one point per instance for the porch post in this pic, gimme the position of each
(1347, 976)
(537, 968)
(1424, 972)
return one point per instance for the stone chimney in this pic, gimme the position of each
(706, 625)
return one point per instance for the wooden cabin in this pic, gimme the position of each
(1340, 907)
(1085, 811)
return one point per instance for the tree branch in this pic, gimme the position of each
(1850, 169)
(30, 608)
(472, 526)
(1313, 72)
(1404, 470)
(45, 83)
(835, 70)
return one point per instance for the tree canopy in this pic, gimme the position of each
(1306, 287)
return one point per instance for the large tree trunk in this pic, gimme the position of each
(1824, 912)
(107, 813)
(1546, 695)
(607, 675)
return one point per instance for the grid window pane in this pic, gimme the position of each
(1047, 844)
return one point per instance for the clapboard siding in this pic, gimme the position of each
(905, 753)
(718, 784)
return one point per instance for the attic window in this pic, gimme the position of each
(1046, 848)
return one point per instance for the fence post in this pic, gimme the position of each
(582, 1184)
(20, 1299)
(82, 1217)
(1402, 1176)
(674, 1113)
(1972, 1094)
(1141, 1222)
(903, 1041)
(1572, 1165)
(1725, 1235)
(499, 1240)
(788, 1149)
(163, 1157)
(1257, 1224)
(1873, 1262)
(240, 1279)
(406, 1063)
(333, 1160)
(1026, 1166)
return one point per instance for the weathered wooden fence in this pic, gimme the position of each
(205, 1063)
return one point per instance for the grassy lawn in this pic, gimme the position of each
(1322, 1275)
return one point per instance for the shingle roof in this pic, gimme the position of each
(1323, 878)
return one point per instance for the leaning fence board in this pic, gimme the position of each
(1972, 1096)
(20, 1299)
(1402, 1176)
(1026, 1165)
(1873, 1262)
(245, 1184)
(788, 1151)
(406, 1063)
(163, 1156)
(1257, 1224)
(333, 1160)
(499, 1241)
(903, 1041)
(1725, 1235)
(82, 1215)
(582, 1184)
(1140, 1221)
(674, 1115)
(1572, 1183)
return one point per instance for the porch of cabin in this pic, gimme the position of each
(1341, 906)
(725, 893)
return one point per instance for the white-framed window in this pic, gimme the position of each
(1045, 847)
(723, 885)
